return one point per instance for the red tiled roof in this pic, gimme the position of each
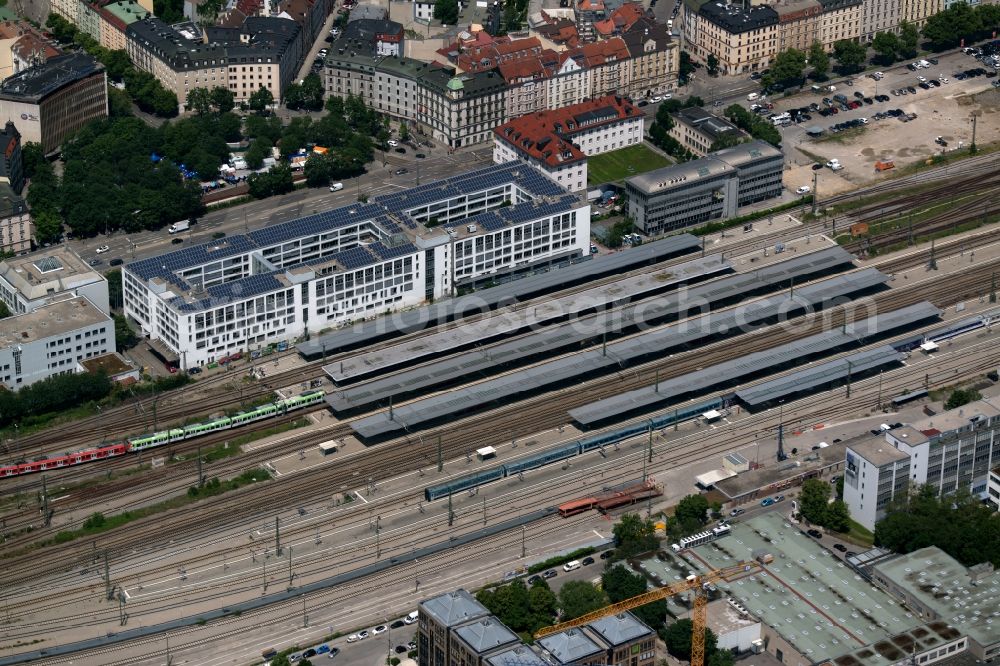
(481, 57)
(591, 5)
(605, 27)
(546, 135)
(626, 15)
(930, 432)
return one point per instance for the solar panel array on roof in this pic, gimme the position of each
(522, 288)
(624, 353)
(355, 257)
(315, 224)
(243, 288)
(197, 255)
(818, 376)
(729, 372)
(387, 252)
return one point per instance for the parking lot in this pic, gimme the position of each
(943, 111)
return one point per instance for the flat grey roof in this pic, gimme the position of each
(51, 320)
(731, 371)
(818, 376)
(453, 608)
(713, 165)
(877, 451)
(47, 272)
(661, 340)
(503, 324)
(505, 294)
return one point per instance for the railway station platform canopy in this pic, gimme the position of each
(815, 602)
(511, 321)
(819, 376)
(750, 366)
(515, 291)
(577, 368)
(554, 339)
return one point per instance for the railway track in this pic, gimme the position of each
(666, 455)
(412, 453)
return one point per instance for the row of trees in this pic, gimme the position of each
(816, 507)
(524, 610)
(38, 401)
(891, 47)
(959, 524)
(753, 124)
(949, 27)
(142, 87)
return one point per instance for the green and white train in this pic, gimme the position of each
(277, 408)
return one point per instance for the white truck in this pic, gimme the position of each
(835, 165)
(178, 227)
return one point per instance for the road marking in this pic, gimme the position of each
(358, 495)
(599, 535)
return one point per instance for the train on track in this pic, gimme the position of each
(564, 451)
(138, 444)
(612, 499)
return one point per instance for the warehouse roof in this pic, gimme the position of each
(807, 595)
(955, 594)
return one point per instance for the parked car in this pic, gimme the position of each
(779, 498)
(767, 501)
(392, 143)
(534, 579)
(587, 560)
(102, 249)
(400, 172)
(841, 547)
(194, 371)
(336, 187)
(551, 573)
(176, 241)
(420, 156)
(96, 262)
(380, 629)
(816, 534)
(804, 189)
(606, 554)
(117, 261)
(397, 624)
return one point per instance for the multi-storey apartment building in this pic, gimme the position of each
(880, 16)
(875, 473)
(743, 39)
(558, 142)
(262, 52)
(841, 19)
(463, 108)
(950, 451)
(799, 23)
(336, 267)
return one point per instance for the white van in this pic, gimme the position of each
(572, 566)
(752, 96)
(412, 617)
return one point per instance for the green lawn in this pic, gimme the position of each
(620, 164)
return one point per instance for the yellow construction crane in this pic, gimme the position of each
(695, 582)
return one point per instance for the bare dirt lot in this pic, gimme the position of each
(945, 111)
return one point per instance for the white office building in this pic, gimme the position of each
(950, 451)
(352, 263)
(29, 281)
(52, 339)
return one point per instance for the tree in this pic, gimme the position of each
(634, 535)
(909, 38)
(838, 516)
(787, 67)
(886, 45)
(947, 28)
(721, 657)
(114, 278)
(261, 100)
(619, 584)
(223, 99)
(318, 170)
(685, 68)
(48, 226)
(4, 310)
(677, 637)
(255, 155)
(117, 63)
(446, 11)
(850, 55)
(125, 337)
(61, 29)
(32, 156)
(726, 141)
(813, 501)
(819, 60)
(961, 397)
(712, 64)
(199, 100)
(579, 597)
(312, 92)
(404, 131)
